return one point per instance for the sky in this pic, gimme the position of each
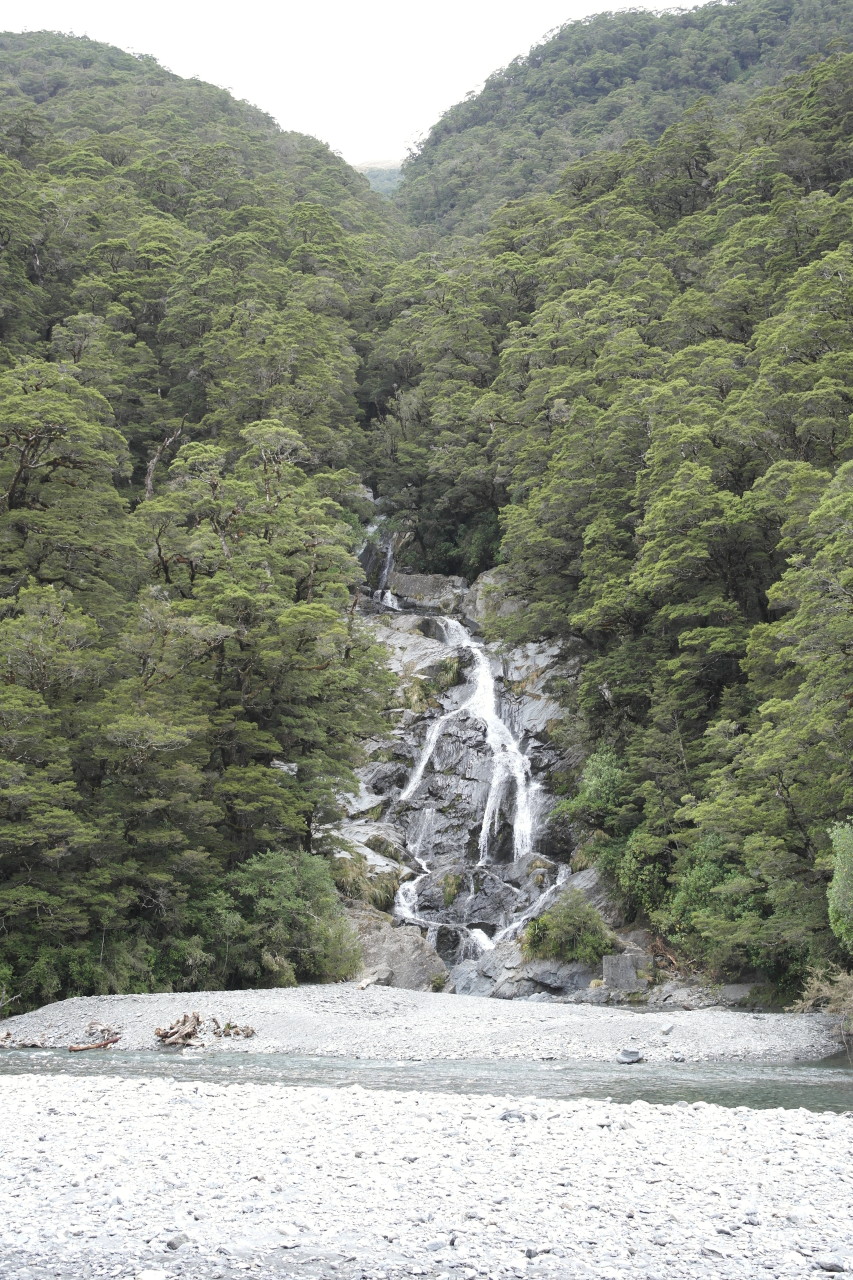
(369, 77)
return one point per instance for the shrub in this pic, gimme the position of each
(450, 886)
(570, 930)
(353, 879)
(830, 990)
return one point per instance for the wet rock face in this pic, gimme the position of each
(457, 794)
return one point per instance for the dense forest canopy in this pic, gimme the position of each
(185, 291)
(632, 394)
(636, 394)
(597, 83)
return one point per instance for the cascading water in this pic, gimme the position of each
(464, 816)
(511, 796)
(508, 762)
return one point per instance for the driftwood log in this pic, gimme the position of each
(231, 1029)
(100, 1044)
(182, 1033)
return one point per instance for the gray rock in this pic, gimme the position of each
(487, 598)
(590, 884)
(431, 592)
(394, 957)
(629, 1055)
(620, 973)
(468, 980)
(178, 1239)
(830, 1262)
(505, 974)
(736, 993)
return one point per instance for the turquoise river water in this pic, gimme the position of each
(817, 1086)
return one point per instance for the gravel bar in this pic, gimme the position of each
(391, 1024)
(149, 1179)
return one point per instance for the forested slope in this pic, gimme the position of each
(632, 395)
(183, 296)
(636, 394)
(598, 83)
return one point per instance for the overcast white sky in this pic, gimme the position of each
(369, 76)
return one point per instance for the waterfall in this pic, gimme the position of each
(406, 902)
(387, 566)
(382, 595)
(509, 764)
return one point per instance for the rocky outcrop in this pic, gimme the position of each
(505, 974)
(444, 797)
(625, 973)
(428, 592)
(395, 956)
(590, 884)
(487, 598)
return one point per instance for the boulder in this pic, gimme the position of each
(395, 957)
(428, 592)
(505, 974)
(467, 980)
(620, 972)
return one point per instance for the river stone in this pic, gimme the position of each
(395, 957)
(629, 1055)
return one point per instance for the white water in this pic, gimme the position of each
(387, 566)
(510, 766)
(406, 902)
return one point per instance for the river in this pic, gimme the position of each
(814, 1086)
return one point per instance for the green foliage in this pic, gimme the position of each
(634, 394)
(450, 887)
(570, 930)
(185, 687)
(595, 84)
(384, 180)
(841, 886)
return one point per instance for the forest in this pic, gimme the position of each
(621, 375)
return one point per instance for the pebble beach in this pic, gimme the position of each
(154, 1177)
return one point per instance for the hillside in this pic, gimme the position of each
(634, 396)
(184, 291)
(598, 83)
(629, 400)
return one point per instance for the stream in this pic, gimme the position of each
(814, 1086)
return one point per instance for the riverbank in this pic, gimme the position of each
(388, 1023)
(154, 1178)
